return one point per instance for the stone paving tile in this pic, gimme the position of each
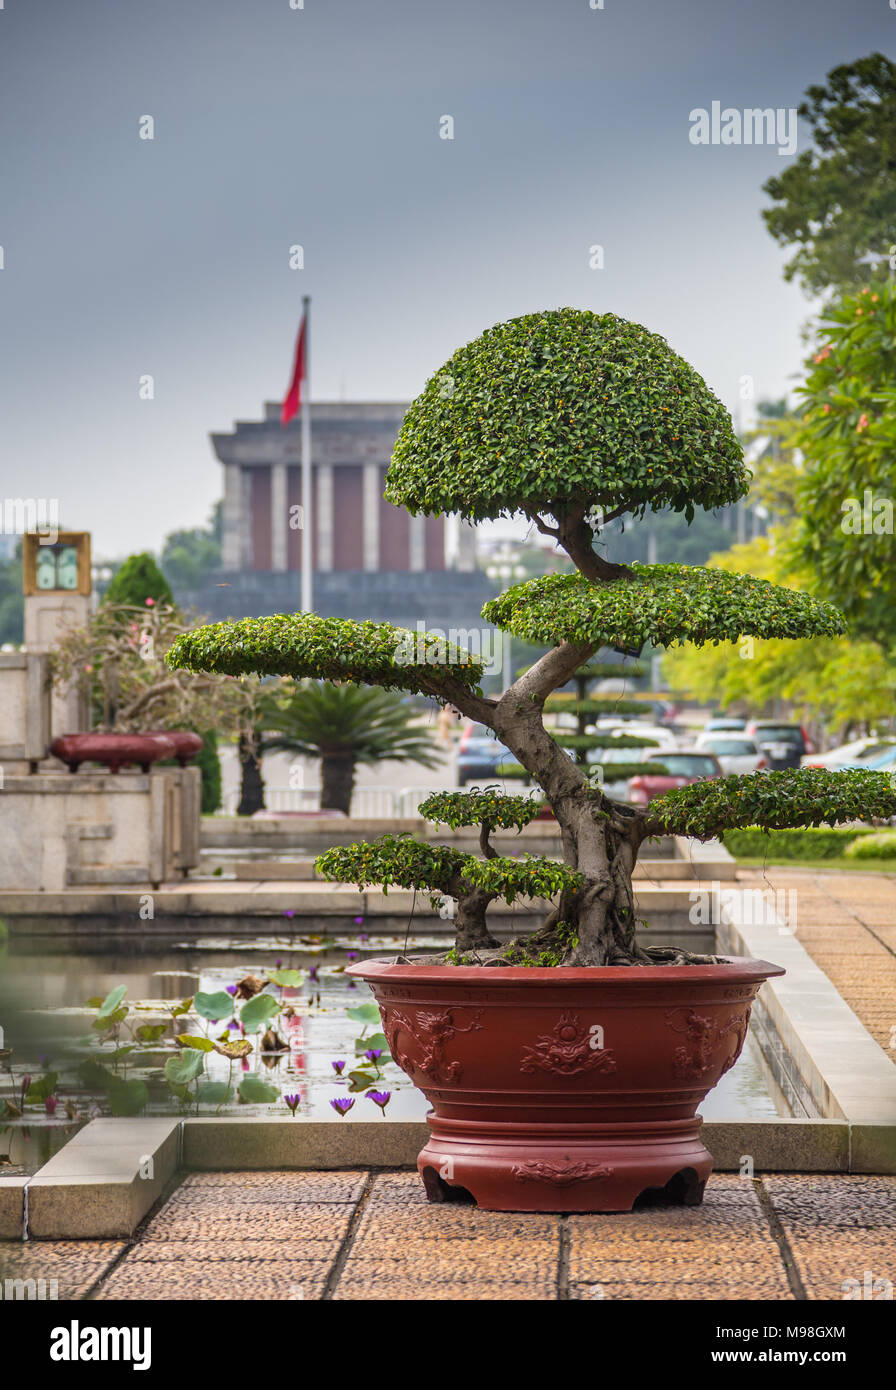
(837, 1228)
(75, 1265)
(294, 1221)
(191, 1279)
(652, 1293)
(847, 922)
(360, 1290)
(711, 1251)
(264, 1187)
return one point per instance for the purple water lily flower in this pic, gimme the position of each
(362, 936)
(50, 1104)
(290, 912)
(338, 1067)
(380, 1098)
(292, 1102)
(358, 920)
(342, 1104)
(277, 964)
(312, 972)
(352, 984)
(373, 1054)
(351, 955)
(232, 990)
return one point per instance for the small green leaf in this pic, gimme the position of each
(257, 1011)
(184, 1068)
(200, 1044)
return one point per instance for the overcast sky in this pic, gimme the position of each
(320, 126)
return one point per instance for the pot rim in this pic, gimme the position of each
(733, 970)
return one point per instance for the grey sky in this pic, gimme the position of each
(320, 126)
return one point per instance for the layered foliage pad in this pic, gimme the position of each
(793, 797)
(488, 807)
(335, 649)
(660, 604)
(402, 862)
(565, 407)
(602, 741)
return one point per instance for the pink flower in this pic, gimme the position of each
(150, 603)
(825, 409)
(863, 424)
(50, 1104)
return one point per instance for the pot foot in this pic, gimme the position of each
(437, 1190)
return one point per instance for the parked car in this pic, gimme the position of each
(723, 724)
(856, 753)
(617, 787)
(784, 745)
(736, 752)
(681, 769)
(663, 738)
(479, 754)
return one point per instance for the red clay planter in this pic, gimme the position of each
(565, 1089)
(114, 750)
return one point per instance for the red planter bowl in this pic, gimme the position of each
(186, 743)
(113, 750)
(565, 1089)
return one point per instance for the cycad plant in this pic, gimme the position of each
(344, 725)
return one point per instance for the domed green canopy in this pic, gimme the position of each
(334, 649)
(660, 604)
(561, 407)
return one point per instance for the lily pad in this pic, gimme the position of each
(255, 1091)
(212, 1006)
(257, 1011)
(199, 1044)
(184, 1068)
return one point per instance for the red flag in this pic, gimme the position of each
(290, 406)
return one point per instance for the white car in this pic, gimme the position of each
(659, 737)
(735, 752)
(860, 750)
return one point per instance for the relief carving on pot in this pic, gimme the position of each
(561, 1174)
(431, 1029)
(703, 1035)
(568, 1050)
(739, 992)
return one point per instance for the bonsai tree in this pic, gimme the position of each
(573, 419)
(472, 882)
(343, 725)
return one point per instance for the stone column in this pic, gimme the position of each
(466, 545)
(279, 515)
(370, 513)
(417, 555)
(323, 521)
(234, 519)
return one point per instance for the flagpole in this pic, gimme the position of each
(307, 528)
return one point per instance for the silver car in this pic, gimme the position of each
(735, 752)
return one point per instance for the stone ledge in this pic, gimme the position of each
(103, 1182)
(12, 1207)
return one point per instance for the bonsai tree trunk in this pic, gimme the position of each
(251, 781)
(472, 934)
(337, 781)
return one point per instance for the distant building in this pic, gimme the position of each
(371, 559)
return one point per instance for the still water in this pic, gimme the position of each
(46, 981)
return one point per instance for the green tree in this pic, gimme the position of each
(139, 579)
(343, 726)
(836, 203)
(845, 497)
(209, 765)
(572, 418)
(190, 556)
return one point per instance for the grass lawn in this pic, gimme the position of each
(865, 866)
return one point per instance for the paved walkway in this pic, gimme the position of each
(847, 923)
(363, 1236)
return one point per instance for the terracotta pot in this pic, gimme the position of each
(565, 1089)
(114, 750)
(186, 743)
